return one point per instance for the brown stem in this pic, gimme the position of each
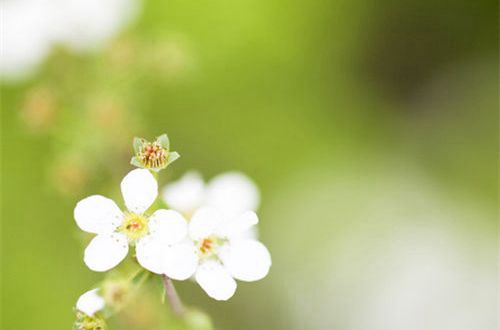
(173, 298)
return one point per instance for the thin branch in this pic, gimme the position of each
(173, 298)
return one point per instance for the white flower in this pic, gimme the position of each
(153, 235)
(90, 302)
(186, 194)
(231, 193)
(217, 254)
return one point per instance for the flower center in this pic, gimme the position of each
(208, 247)
(153, 155)
(134, 226)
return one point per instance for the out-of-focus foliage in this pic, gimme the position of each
(371, 129)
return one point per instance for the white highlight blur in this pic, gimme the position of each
(30, 28)
(392, 251)
(429, 284)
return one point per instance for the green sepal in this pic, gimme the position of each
(134, 161)
(156, 169)
(137, 144)
(140, 277)
(172, 157)
(163, 294)
(164, 141)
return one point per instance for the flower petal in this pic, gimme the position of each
(247, 260)
(186, 194)
(233, 193)
(97, 214)
(180, 261)
(150, 251)
(169, 225)
(90, 302)
(205, 222)
(215, 280)
(139, 190)
(239, 226)
(106, 251)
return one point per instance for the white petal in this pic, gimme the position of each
(97, 214)
(205, 222)
(215, 280)
(239, 226)
(247, 260)
(169, 224)
(139, 190)
(251, 233)
(150, 251)
(90, 302)
(181, 261)
(106, 251)
(233, 192)
(186, 194)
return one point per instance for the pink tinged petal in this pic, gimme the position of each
(97, 214)
(233, 192)
(205, 222)
(186, 194)
(215, 280)
(247, 260)
(150, 251)
(238, 226)
(139, 190)
(90, 302)
(106, 251)
(169, 225)
(181, 261)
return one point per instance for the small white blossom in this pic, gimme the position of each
(152, 235)
(217, 254)
(90, 302)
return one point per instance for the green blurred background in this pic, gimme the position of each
(371, 129)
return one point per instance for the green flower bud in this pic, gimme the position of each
(116, 293)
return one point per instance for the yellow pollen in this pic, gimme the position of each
(134, 226)
(153, 155)
(206, 245)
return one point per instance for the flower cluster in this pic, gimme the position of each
(207, 232)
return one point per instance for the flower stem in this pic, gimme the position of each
(173, 298)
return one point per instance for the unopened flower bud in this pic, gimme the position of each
(116, 293)
(88, 311)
